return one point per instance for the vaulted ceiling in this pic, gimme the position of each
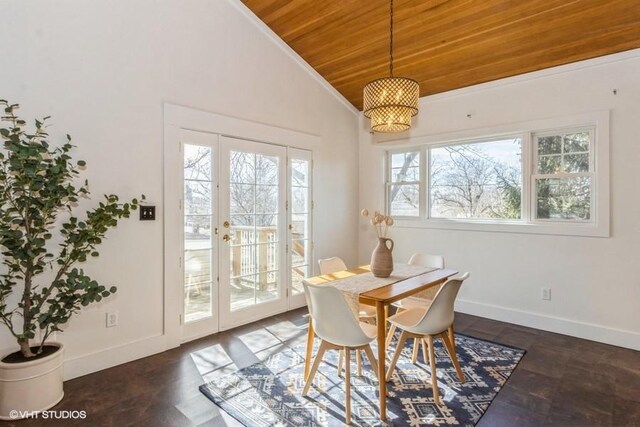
(447, 44)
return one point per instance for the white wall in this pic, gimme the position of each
(595, 287)
(103, 69)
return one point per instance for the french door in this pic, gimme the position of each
(253, 258)
(246, 231)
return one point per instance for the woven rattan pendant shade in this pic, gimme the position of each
(392, 101)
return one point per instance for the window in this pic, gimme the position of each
(481, 180)
(404, 186)
(563, 177)
(533, 181)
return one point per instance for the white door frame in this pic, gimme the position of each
(177, 118)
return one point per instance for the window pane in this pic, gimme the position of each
(299, 200)
(267, 228)
(242, 199)
(477, 180)
(197, 162)
(197, 197)
(300, 172)
(405, 199)
(297, 275)
(266, 199)
(576, 142)
(550, 145)
(549, 164)
(299, 251)
(563, 153)
(405, 167)
(576, 163)
(267, 169)
(197, 231)
(243, 167)
(563, 198)
(299, 226)
(197, 284)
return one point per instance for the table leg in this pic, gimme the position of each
(309, 352)
(381, 318)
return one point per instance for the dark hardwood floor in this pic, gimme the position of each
(561, 381)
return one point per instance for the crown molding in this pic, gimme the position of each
(257, 22)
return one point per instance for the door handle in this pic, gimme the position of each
(226, 238)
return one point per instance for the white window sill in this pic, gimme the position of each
(492, 226)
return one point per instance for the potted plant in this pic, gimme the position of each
(40, 289)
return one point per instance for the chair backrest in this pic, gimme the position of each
(439, 316)
(332, 318)
(331, 265)
(426, 260)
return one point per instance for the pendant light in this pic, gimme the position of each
(390, 102)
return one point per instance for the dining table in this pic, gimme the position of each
(381, 298)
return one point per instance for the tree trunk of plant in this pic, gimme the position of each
(25, 348)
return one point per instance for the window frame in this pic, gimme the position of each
(597, 123)
(536, 175)
(420, 183)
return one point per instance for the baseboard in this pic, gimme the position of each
(589, 331)
(116, 355)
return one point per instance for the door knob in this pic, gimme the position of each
(226, 238)
(225, 224)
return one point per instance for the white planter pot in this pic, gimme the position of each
(31, 386)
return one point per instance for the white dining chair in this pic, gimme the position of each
(422, 299)
(338, 329)
(433, 321)
(365, 313)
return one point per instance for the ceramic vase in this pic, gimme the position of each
(382, 258)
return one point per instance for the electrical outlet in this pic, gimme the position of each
(112, 319)
(546, 294)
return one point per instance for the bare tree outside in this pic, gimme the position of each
(478, 180)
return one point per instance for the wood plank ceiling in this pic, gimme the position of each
(447, 44)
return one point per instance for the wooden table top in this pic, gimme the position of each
(392, 292)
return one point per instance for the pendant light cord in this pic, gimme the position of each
(391, 41)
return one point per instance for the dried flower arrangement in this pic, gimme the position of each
(380, 222)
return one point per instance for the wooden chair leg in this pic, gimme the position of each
(452, 340)
(392, 330)
(347, 385)
(424, 350)
(416, 346)
(372, 360)
(434, 376)
(358, 363)
(452, 355)
(340, 362)
(396, 355)
(314, 368)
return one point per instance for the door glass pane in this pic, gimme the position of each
(254, 199)
(300, 205)
(198, 243)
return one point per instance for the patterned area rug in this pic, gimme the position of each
(269, 393)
